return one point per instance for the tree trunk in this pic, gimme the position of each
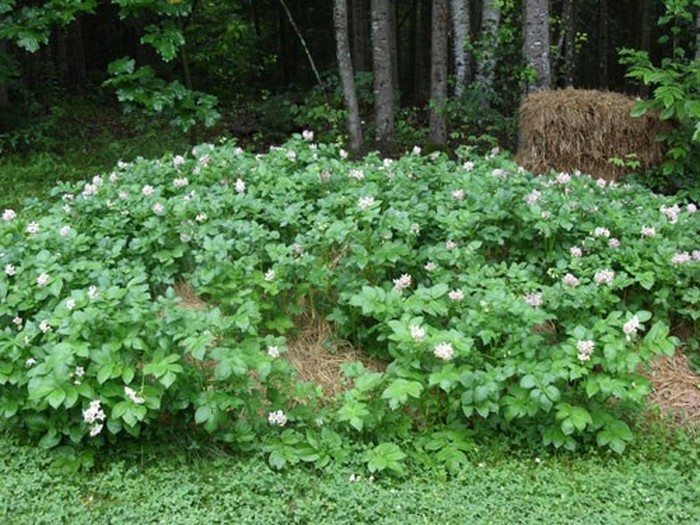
(697, 34)
(486, 69)
(4, 92)
(603, 42)
(569, 36)
(347, 78)
(360, 35)
(536, 46)
(460, 35)
(438, 74)
(422, 57)
(393, 36)
(383, 73)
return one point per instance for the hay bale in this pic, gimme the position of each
(571, 129)
(676, 388)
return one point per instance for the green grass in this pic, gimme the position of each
(656, 481)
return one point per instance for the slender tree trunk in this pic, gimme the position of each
(422, 57)
(4, 92)
(603, 42)
(569, 36)
(536, 46)
(393, 37)
(486, 69)
(697, 34)
(460, 34)
(410, 69)
(347, 78)
(383, 73)
(360, 35)
(438, 74)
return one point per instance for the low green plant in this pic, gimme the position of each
(497, 300)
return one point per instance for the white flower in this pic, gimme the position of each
(270, 275)
(178, 160)
(458, 194)
(343, 154)
(273, 351)
(10, 270)
(96, 429)
(64, 231)
(604, 277)
(469, 165)
(123, 195)
(201, 217)
(601, 232)
(444, 351)
(402, 282)
(614, 243)
(9, 215)
(238, 151)
(147, 190)
(70, 304)
(430, 266)
(532, 197)
(648, 231)
(89, 189)
(585, 349)
(17, 321)
(691, 208)
(671, 213)
(92, 292)
(563, 178)
(533, 299)
(30, 362)
(570, 280)
(356, 174)
(291, 155)
(456, 295)
(417, 333)
(67, 209)
(79, 371)
(113, 177)
(158, 208)
(240, 186)
(499, 173)
(415, 228)
(135, 398)
(180, 182)
(365, 202)
(681, 258)
(44, 326)
(575, 252)
(32, 228)
(42, 279)
(277, 418)
(307, 135)
(630, 327)
(416, 150)
(450, 245)
(325, 176)
(600, 183)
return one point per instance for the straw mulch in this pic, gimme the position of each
(571, 129)
(676, 388)
(188, 297)
(317, 356)
(315, 351)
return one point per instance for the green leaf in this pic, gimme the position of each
(399, 391)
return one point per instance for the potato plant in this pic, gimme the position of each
(498, 299)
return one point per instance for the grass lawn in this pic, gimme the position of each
(656, 481)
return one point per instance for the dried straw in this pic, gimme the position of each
(676, 388)
(570, 129)
(317, 356)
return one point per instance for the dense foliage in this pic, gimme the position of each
(498, 300)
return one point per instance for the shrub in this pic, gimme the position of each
(498, 299)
